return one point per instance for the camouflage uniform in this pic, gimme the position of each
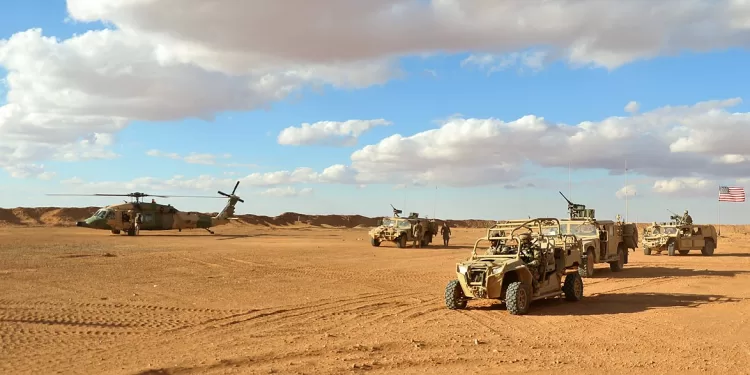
(417, 232)
(446, 232)
(686, 218)
(535, 262)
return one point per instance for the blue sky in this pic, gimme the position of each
(435, 90)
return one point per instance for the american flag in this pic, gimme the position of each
(731, 194)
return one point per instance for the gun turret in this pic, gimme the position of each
(578, 211)
(676, 218)
(396, 211)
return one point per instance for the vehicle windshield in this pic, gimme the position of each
(670, 230)
(389, 222)
(579, 229)
(403, 224)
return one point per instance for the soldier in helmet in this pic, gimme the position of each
(417, 232)
(686, 218)
(445, 231)
(535, 258)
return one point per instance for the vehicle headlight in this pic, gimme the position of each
(462, 269)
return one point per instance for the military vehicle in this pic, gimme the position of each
(678, 236)
(401, 229)
(602, 240)
(526, 261)
(122, 217)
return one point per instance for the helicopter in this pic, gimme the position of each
(121, 217)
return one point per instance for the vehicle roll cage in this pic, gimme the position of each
(506, 230)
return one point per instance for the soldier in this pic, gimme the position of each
(417, 232)
(446, 232)
(535, 262)
(686, 218)
(138, 222)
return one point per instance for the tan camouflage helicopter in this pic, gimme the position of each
(152, 216)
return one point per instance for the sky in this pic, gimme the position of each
(452, 109)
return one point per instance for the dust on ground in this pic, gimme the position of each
(307, 300)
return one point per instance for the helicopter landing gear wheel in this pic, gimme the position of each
(131, 231)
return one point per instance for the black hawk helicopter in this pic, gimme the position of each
(153, 216)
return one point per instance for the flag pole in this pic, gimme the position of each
(718, 214)
(434, 206)
(626, 190)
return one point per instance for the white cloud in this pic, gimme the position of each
(672, 141)
(686, 186)
(286, 192)
(330, 133)
(626, 191)
(491, 63)
(155, 65)
(192, 158)
(632, 107)
(331, 175)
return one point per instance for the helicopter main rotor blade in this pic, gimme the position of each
(235, 187)
(93, 195)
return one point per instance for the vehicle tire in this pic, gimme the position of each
(587, 268)
(401, 241)
(518, 298)
(115, 231)
(617, 265)
(454, 296)
(131, 232)
(684, 252)
(708, 248)
(646, 251)
(670, 248)
(374, 242)
(573, 287)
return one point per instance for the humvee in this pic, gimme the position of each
(601, 240)
(525, 261)
(677, 236)
(401, 230)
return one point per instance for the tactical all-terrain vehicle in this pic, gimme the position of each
(677, 236)
(602, 240)
(401, 230)
(526, 261)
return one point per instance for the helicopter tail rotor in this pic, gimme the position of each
(233, 191)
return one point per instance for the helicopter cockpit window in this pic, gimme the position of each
(100, 214)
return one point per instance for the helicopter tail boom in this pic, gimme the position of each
(227, 213)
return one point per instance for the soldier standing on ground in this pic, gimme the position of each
(686, 218)
(446, 232)
(138, 222)
(417, 232)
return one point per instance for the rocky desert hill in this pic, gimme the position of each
(67, 216)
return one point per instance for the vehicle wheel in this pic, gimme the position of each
(646, 251)
(573, 287)
(684, 252)
(708, 248)
(115, 231)
(454, 296)
(374, 242)
(131, 232)
(401, 242)
(587, 269)
(617, 265)
(670, 249)
(517, 298)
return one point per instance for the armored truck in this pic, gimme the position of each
(678, 237)
(525, 262)
(400, 230)
(602, 241)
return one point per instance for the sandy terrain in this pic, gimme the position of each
(306, 300)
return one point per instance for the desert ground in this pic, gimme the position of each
(305, 299)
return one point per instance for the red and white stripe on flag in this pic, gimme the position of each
(731, 194)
